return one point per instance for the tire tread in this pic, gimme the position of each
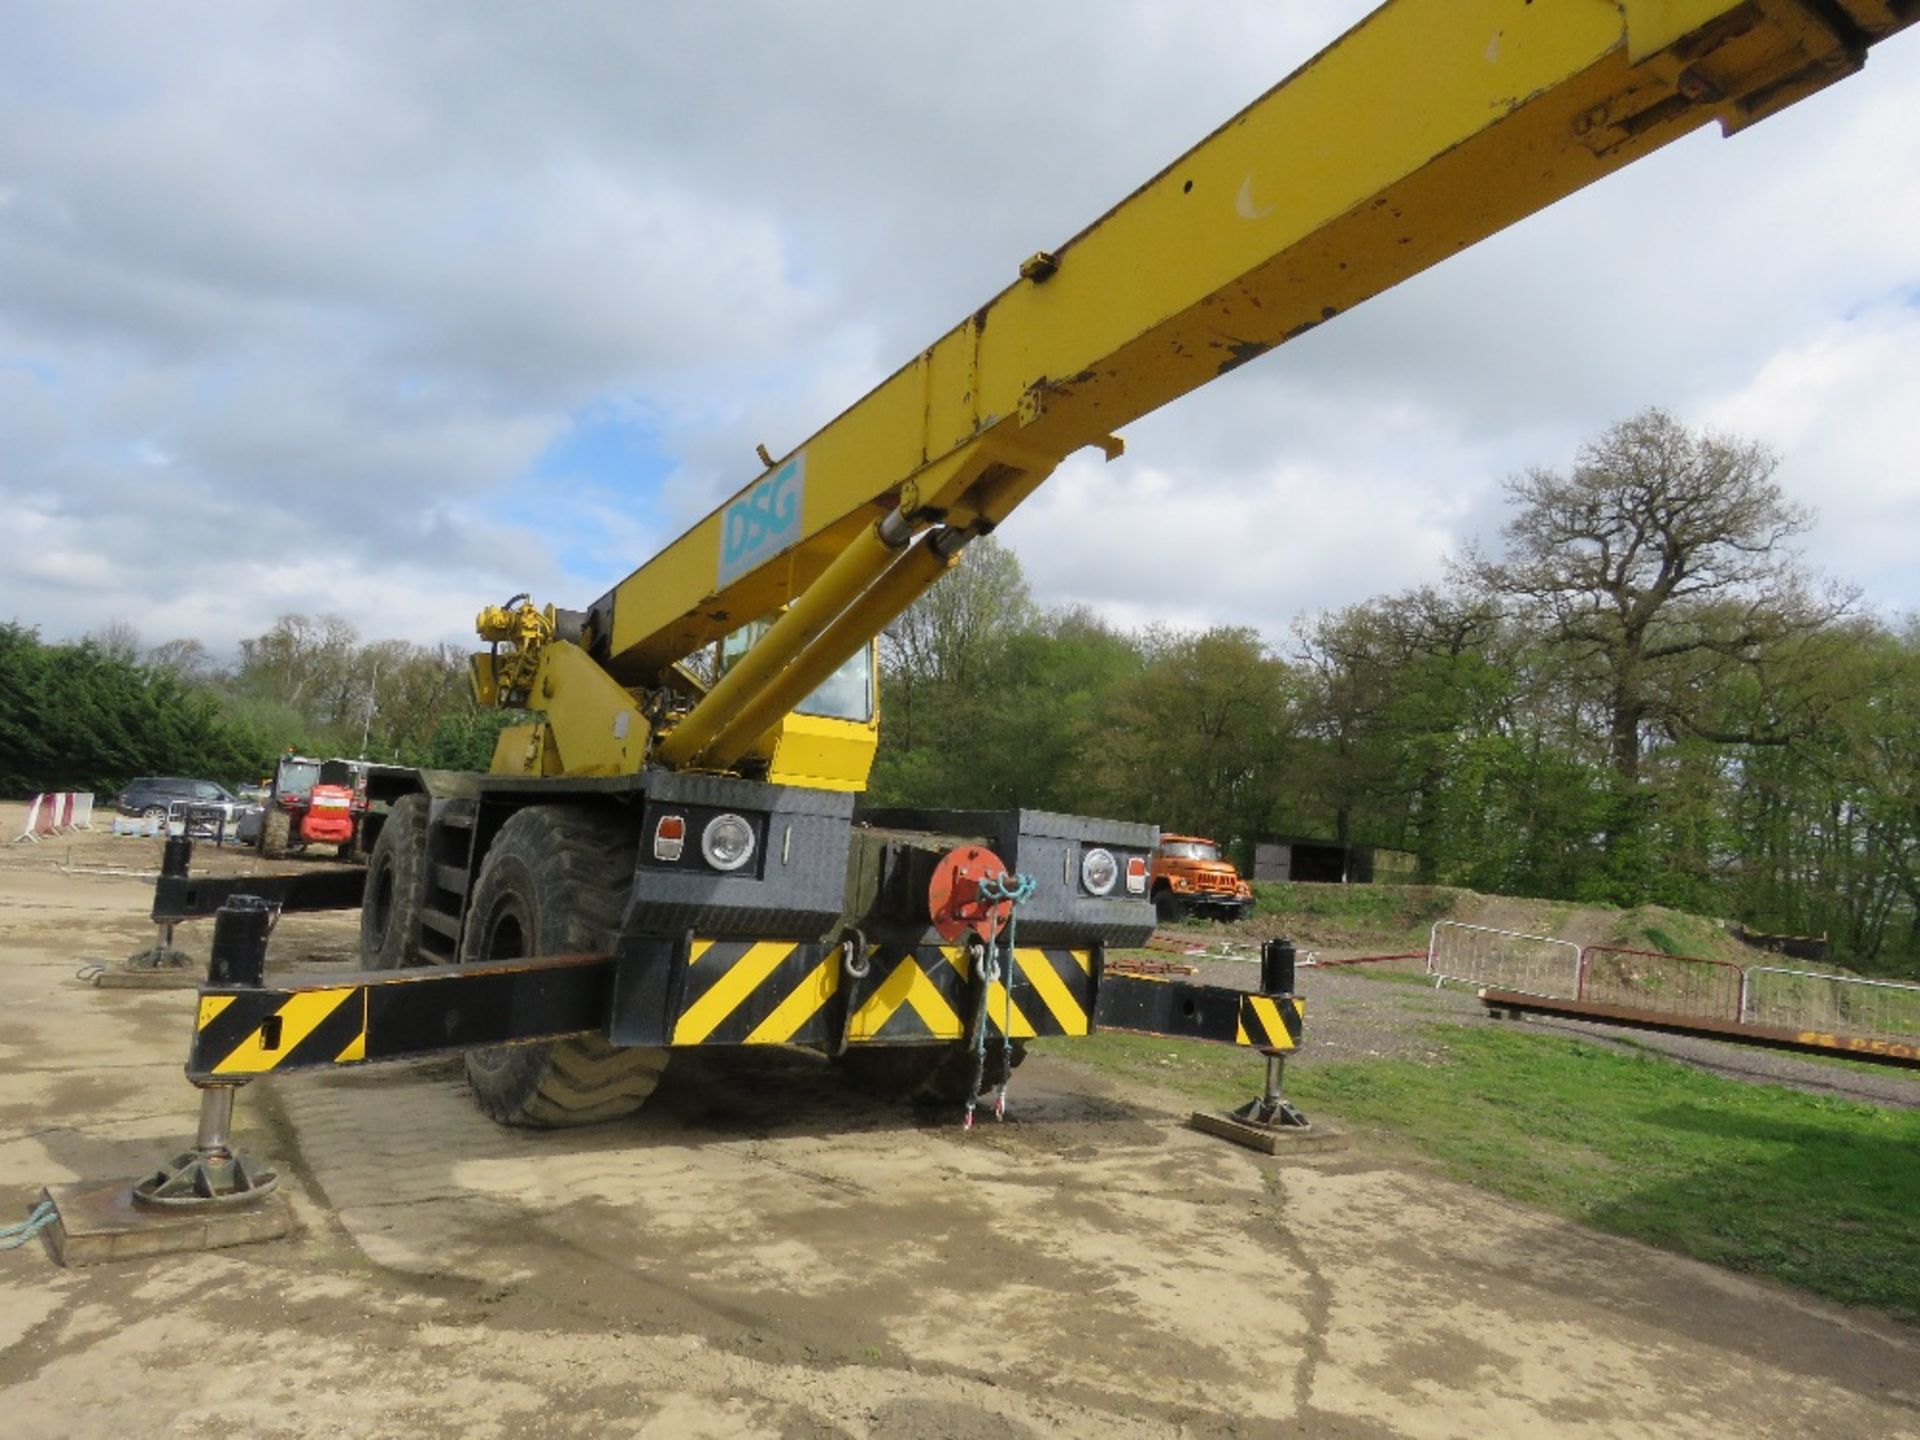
(581, 861)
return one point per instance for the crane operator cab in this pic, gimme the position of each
(828, 740)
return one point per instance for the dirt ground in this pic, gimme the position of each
(760, 1253)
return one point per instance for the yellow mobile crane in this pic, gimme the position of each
(672, 854)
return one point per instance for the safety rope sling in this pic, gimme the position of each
(1013, 890)
(12, 1237)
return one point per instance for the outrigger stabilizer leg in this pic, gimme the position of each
(175, 859)
(207, 1196)
(213, 1173)
(1269, 1121)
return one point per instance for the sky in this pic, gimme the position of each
(393, 311)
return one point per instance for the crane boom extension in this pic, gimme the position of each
(1430, 125)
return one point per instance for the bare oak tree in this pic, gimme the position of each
(1663, 552)
(118, 640)
(946, 635)
(187, 660)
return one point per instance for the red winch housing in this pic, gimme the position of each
(953, 894)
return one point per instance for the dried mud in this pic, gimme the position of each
(760, 1253)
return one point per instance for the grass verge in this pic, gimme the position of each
(1813, 1191)
(1397, 910)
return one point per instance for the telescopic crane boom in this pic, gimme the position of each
(1427, 127)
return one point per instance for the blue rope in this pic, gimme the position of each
(1016, 888)
(12, 1237)
(1012, 890)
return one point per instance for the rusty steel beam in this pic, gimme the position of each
(1806, 1042)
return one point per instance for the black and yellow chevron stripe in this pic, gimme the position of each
(243, 1032)
(1269, 1023)
(1157, 1005)
(756, 992)
(1052, 994)
(726, 992)
(256, 1034)
(926, 994)
(741, 992)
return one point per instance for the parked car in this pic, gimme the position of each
(153, 795)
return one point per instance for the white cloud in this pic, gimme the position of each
(351, 270)
(1840, 408)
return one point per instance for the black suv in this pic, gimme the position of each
(151, 795)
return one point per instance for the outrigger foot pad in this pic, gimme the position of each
(1273, 1111)
(204, 1179)
(1270, 1138)
(213, 1174)
(1269, 1122)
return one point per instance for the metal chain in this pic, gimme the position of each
(1013, 890)
(987, 967)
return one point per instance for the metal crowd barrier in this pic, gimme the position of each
(1664, 984)
(1506, 959)
(1843, 1004)
(1653, 983)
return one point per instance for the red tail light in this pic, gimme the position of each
(670, 837)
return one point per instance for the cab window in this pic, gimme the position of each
(847, 694)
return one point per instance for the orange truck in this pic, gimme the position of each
(1191, 877)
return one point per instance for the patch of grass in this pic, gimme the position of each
(1662, 941)
(1672, 932)
(1391, 916)
(1810, 1190)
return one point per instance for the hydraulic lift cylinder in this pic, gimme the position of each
(1276, 967)
(239, 954)
(176, 857)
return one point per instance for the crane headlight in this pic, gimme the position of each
(727, 842)
(1099, 871)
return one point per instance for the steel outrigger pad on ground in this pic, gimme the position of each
(1271, 1019)
(207, 1196)
(212, 1175)
(1269, 1122)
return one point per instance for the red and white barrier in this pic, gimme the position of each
(54, 811)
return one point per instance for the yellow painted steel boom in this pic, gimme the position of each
(1427, 127)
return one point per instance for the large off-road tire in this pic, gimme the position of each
(276, 833)
(923, 1074)
(555, 883)
(390, 904)
(1167, 905)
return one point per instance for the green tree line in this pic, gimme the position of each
(93, 714)
(1640, 696)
